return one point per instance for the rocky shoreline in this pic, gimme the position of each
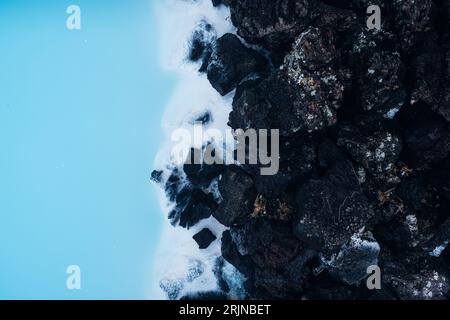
(364, 179)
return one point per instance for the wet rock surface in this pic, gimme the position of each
(272, 24)
(331, 209)
(350, 265)
(231, 62)
(200, 44)
(238, 194)
(364, 120)
(377, 153)
(204, 238)
(267, 252)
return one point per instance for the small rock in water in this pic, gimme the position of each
(200, 44)
(204, 238)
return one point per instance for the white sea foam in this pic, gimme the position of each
(177, 19)
(194, 95)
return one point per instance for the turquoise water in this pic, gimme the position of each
(80, 124)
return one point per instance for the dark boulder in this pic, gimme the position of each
(419, 210)
(156, 176)
(231, 62)
(272, 24)
(355, 257)
(174, 184)
(192, 206)
(204, 238)
(441, 239)
(328, 154)
(291, 101)
(331, 209)
(200, 44)
(267, 252)
(414, 277)
(231, 254)
(412, 21)
(378, 71)
(204, 118)
(304, 94)
(238, 193)
(440, 178)
(217, 3)
(300, 150)
(399, 234)
(427, 135)
(198, 172)
(377, 153)
(431, 68)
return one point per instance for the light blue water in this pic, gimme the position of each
(80, 126)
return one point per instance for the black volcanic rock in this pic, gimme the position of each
(156, 176)
(173, 185)
(272, 24)
(267, 252)
(351, 263)
(328, 154)
(231, 62)
(204, 238)
(298, 150)
(231, 254)
(319, 79)
(378, 71)
(205, 118)
(238, 194)
(198, 172)
(217, 3)
(304, 94)
(331, 209)
(377, 153)
(192, 205)
(292, 103)
(440, 240)
(413, 20)
(397, 234)
(250, 106)
(440, 178)
(431, 69)
(418, 213)
(427, 134)
(200, 44)
(415, 277)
